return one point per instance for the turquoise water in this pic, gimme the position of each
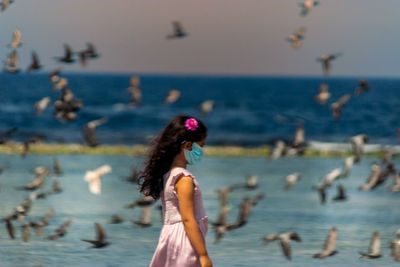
(298, 210)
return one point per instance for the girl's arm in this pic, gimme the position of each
(185, 191)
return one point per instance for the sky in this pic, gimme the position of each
(234, 37)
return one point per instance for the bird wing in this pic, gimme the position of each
(101, 234)
(375, 245)
(177, 27)
(285, 245)
(95, 186)
(146, 214)
(330, 242)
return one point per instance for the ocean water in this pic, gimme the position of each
(248, 111)
(295, 210)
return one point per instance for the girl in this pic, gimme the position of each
(182, 237)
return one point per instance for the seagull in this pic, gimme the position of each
(42, 223)
(296, 38)
(91, 51)
(40, 176)
(374, 248)
(329, 246)
(326, 61)
(341, 195)
(100, 237)
(323, 94)
(28, 142)
(116, 219)
(206, 107)
(60, 231)
(395, 245)
(179, 32)
(142, 202)
(57, 167)
(67, 58)
(373, 178)
(173, 96)
(336, 107)
(89, 131)
(291, 179)
(93, 178)
(26, 232)
(146, 217)
(307, 5)
(35, 65)
(16, 39)
(330, 177)
(278, 150)
(134, 177)
(12, 62)
(299, 139)
(284, 240)
(41, 105)
(363, 87)
(347, 166)
(135, 91)
(357, 143)
(5, 4)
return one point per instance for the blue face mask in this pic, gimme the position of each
(194, 156)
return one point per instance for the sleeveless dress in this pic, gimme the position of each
(174, 248)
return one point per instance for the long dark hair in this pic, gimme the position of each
(165, 147)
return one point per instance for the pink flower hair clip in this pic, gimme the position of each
(191, 124)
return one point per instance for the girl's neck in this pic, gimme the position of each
(179, 161)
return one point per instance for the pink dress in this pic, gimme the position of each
(174, 248)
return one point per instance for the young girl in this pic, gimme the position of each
(182, 237)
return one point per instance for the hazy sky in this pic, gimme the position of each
(225, 36)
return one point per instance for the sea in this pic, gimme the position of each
(248, 111)
(297, 209)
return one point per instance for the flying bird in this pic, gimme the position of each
(291, 179)
(373, 178)
(41, 105)
(374, 248)
(395, 246)
(136, 92)
(329, 246)
(35, 65)
(38, 226)
(12, 62)
(16, 39)
(337, 106)
(5, 4)
(145, 218)
(178, 31)
(40, 176)
(60, 231)
(93, 178)
(100, 241)
(307, 6)
(357, 143)
(326, 61)
(284, 240)
(363, 87)
(67, 58)
(89, 132)
(206, 107)
(323, 94)
(173, 96)
(296, 38)
(91, 51)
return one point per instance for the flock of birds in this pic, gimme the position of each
(66, 107)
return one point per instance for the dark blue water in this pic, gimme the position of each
(248, 110)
